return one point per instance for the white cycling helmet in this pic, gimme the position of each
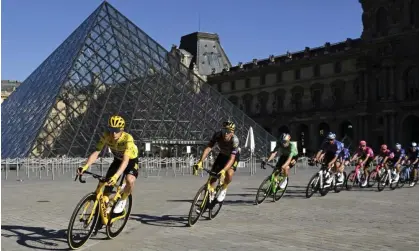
(414, 144)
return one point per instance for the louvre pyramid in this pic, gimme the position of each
(107, 66)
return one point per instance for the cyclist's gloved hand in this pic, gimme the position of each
(112, 181)
(262, 165)
(82, 169)
(222, 174)
(196, 167)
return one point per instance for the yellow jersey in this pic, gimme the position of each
(124, 145)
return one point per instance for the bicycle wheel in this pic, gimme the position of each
(339, 187)
(350, 180)
(372, 178)
(215, 206)
(74, 240)
(280, 192)
(382, 183)
(111, 233)
(264, 190)
(313, 185)
(201, 207)
(394, 185)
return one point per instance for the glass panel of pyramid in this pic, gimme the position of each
(109, 66)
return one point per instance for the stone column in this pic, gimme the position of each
(392, 83)
(365, 85)
(392, 128)
(358, 128)
(386, 127)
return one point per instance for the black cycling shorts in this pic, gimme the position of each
(132, 168)
(284, 158)
(221, 161)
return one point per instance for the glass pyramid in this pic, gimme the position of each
(109, 66)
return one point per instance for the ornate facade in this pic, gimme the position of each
(363, 88)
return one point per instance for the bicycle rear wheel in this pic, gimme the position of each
(215, 206)
(119, 219)
(201, 205)
(339, 187)
(280, 192)
(74, 240)
(264, 190)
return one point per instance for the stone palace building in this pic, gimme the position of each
(361, 88)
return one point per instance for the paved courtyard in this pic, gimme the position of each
(35, 215)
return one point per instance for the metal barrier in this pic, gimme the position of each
(53, 168)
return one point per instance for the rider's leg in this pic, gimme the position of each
(227, 181)
(285, 173)
(397, 172)
(339, 170)
(131, 174)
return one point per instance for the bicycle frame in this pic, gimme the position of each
(212, 175)
(100, 199)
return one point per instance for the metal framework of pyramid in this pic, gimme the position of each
(109, 66)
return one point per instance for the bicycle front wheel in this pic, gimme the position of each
(87, 218)
(264, 190)
(199, 201)
(372, 178)
(115, 219)
(313, 185)
(382, 183)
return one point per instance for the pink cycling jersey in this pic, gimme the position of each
(363, 152)
(386, 153)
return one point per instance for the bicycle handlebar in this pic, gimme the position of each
(96, 176)
(211, 173)
(272, 166)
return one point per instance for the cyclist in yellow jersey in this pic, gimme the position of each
(125, 160)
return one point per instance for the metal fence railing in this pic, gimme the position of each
(55, 168)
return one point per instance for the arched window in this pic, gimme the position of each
(247, 101)
(316, 71)
(338, 67)
(381, 22)
(413, 15)
(412, 83)
(297, 98)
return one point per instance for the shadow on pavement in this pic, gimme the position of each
(36, 237)
(162, 221)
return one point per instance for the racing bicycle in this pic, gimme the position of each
(318, 181)
(271, 187)
(206, 200)
(102, 207)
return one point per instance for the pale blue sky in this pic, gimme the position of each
(31, 30)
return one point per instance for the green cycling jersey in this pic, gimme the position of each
(290, 150)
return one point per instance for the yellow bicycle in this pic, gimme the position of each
(100, 206)
(208, 201)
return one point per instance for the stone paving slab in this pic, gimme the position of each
(35, 216)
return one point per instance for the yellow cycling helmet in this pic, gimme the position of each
(116, 122)
(229, 125)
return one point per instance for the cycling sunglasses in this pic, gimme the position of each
(114, 130)
(225, 131)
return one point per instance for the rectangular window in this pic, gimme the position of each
(219, 87)
(262, 80)
(297, 74)
(279, 77)
(247, 82)
(233, 85)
